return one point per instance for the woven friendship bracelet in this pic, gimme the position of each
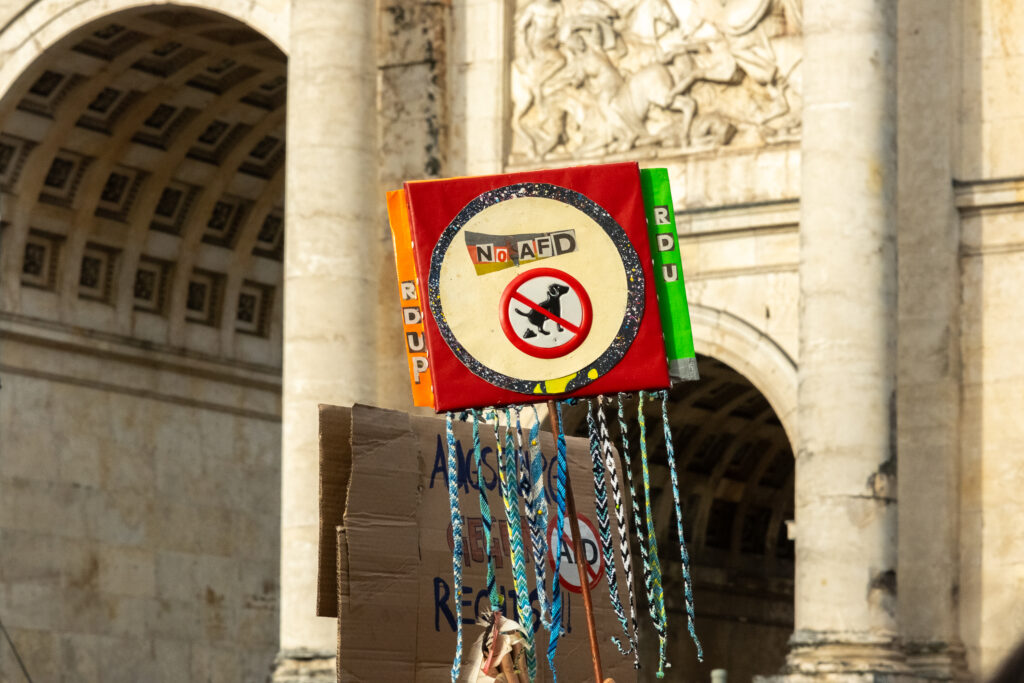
(622, 524)
(532, 490)
(510, 497)
(661, 620)
(539, 522)
(556, 603)
(485, 513)
(604, 527)
(638, 524)
(453, 504)
(685, 556)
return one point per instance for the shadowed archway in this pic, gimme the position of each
(141, 241)
(735, 466)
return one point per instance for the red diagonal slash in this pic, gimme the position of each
(546, 313)
(590, 571)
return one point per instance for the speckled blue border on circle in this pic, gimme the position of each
(631, 262)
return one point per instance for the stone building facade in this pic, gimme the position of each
(193, 254)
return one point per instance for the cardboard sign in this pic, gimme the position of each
(585, 228)
(386, 563)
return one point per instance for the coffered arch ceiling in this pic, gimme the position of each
(142, 185)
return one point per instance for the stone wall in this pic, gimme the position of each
(991, 247)
(139, 515)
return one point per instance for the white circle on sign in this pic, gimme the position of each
(472, 300)
(568, 571)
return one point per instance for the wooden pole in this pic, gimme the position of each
(581, 558)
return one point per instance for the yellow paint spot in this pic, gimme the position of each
(538, 389)
(592, 374)
(557, 386)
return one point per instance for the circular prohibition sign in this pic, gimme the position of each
(457, 329)
(545, 312)
(568, 573)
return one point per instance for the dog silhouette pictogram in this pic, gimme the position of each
(551, 304)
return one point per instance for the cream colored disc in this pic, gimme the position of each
(538, 233)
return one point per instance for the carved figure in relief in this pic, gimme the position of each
(538, 58)
(594, 78)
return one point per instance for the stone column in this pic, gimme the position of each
(331, 217)
(846, 620)
(929, 340)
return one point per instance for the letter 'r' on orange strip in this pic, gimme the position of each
(412, 304)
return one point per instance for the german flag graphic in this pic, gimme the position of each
(491, 253)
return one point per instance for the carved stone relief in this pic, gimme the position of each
(599, 77)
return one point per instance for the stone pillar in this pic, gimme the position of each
(846, 621)
(929, 340)
(412, 59)
(330, 281)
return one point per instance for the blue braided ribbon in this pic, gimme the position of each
(453, 503)
(556, 603)
(485, 514)
(658, 607)
(510, 498)
(687, 581)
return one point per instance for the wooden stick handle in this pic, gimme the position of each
(581, 558)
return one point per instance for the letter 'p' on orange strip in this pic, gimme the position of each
(412, 305)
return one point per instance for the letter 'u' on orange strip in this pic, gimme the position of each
(412, 304)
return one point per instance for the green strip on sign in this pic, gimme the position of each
(668, 274)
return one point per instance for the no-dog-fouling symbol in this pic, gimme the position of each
(568, 572)
(510, 282)
(545, 312)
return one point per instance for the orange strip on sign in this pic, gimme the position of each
(412, 307)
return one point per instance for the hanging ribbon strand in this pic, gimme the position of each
(652, 570)
(556, 603)
(622, 523)
(536, 510)
(661, 620)
(604, 527)
(687, 581)
(485, 514)
(453, 504)
(510, 497)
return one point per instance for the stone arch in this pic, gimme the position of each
(42, 23)
(141, 237)
(755, 355)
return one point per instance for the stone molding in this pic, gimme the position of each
(304, 665)
(752, 353)
(58, 353)
(853, 652)
(994, 193)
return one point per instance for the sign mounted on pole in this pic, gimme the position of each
(545, 286)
